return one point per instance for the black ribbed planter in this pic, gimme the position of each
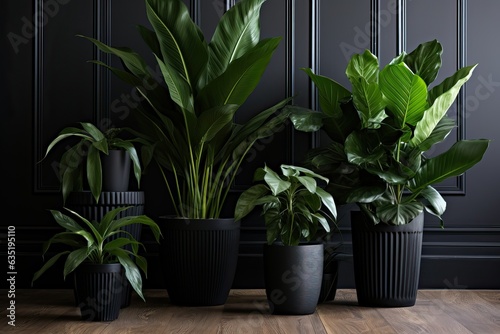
(84, 204)
(293, 276)
(199, 258)
(99, 288)
(386, 261)
(329, 282)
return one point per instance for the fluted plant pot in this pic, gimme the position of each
(84, 204)
(99, 289)
(386, 261)
(199, 258)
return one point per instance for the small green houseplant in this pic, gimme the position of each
(83, 160)
(381, 133)
(294, 206)
(98, 244)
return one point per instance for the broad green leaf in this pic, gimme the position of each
(308, 182)
(330, 93)
(369, 101)
(241, 77)
(178, 88)
(96, 134)
(236, 33)
(328, 201)
(274, 181)
(405, 93)
(131, 59)
(323, 221)
(304, 119)
(211, 121)
(459, 158)
(440, 132)
(436, 203)
(181, 41)
(65, 221)
(399, 213)
(149, 37)
(363, 66)
(47, 265)
(134, 157)
(441, 104)
(74, 259)
(131, 271)
(119, 224)
(425, 60)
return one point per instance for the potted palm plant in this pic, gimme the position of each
(294, 207)
(98, 256)
(381, 133)
(199, 148)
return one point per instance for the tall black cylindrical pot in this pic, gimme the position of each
(99, 288)
(293, 276)
(83, 203)
(386, 261)
(199, 258)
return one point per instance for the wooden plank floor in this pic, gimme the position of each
(246, 311)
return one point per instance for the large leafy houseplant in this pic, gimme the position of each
(190, 111)
(382, 131)
(99, 242)
(83, 160)
(293, 204)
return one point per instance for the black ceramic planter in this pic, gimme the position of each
(293, 276)
(386, 261)
(199, 258)
(99, 288)
(115, 170)
(83, 203)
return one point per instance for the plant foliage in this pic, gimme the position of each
(381, 130)
(85, 155)
(100, 243)
(190, 111)
(293, 204)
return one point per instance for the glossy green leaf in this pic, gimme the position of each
(399, 213)
(425, 60)
(236, 33)
(94, 172)
(47, 265)
(181, 42)
(74, 259)
(405, 92)
(330, 93)
(441, 104)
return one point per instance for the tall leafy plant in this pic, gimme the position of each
(382, 130)
(190, 112)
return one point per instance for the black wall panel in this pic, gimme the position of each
(49, 84)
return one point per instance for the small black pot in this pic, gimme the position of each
(292, 276)
(115, 170)
(199, 258)
(99, 289)
(386, 261)
(83, 203)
